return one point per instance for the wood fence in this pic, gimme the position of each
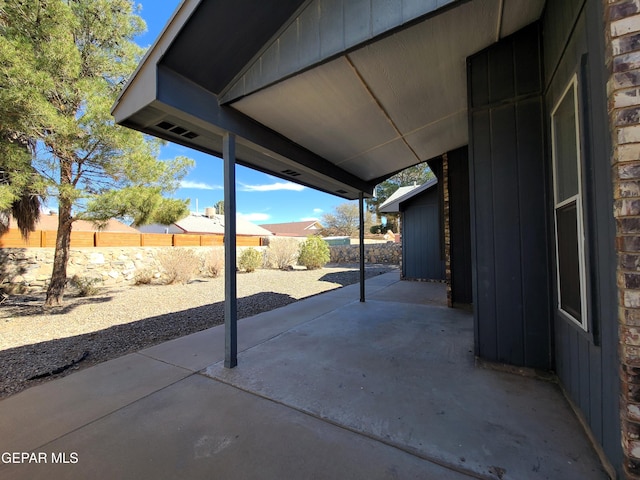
(46, 238)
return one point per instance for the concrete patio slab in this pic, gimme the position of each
(200, 428)
(423, 293)
(404, 374)
(41, 414)
(198, 350)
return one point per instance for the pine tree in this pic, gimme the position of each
(62, 65)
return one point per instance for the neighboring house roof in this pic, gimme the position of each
(49, 222)
(203, 225)
(392, 204)
(294, 229)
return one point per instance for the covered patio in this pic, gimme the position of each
(329, 387)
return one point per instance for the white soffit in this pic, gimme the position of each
(326, 109)
(395, 102)
(419, 74)
(518, 14)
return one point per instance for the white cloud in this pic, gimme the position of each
(254, 217)
(317, 210)
(199, 185)
(272, 187)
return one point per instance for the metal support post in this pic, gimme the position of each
(230, 280)
(361, 205)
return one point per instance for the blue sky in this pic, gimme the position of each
(260, 198)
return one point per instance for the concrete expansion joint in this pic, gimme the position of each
(165, 362)
(97, 419)
(436, 461)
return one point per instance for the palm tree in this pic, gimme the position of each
(24, 192)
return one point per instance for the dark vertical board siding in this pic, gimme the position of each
(485, 305)
(506, 233)
(507, 180)
(479, 69)
(574, 359)
(422, 235)
(501, 72)
(533, 232)
(605, 391)
(528, 74)
(561, 354)
(585, 381)
(596, 392)
(559, 20)
(589, 370)
(460, 226)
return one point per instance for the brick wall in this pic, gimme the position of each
(444, 183)
(622, 53)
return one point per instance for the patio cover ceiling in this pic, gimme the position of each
(334, 94)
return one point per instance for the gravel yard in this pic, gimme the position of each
(37, 345)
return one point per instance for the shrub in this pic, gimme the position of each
(314, 253)
(214, 262)
(282, 252)
(250, 259)
(143, 277)
(384, 228)
(178, 264)
(87, 286)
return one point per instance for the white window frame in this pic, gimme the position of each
(578, 199)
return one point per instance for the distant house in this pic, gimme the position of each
(197, 224)
(49, 223)
(83, 234)
(294, 229)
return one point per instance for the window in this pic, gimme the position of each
(569, 231)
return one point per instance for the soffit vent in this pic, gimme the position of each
(291, 173)
(179, 130)
(183, 132)
(341, 191)
(165, 125)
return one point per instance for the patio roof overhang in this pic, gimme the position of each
(335, 95)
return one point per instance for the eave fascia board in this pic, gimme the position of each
(143, 77)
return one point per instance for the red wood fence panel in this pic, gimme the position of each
(115, 239)
(156, 240)
(246, 241)
(13, 239)
(78, 239)
(186, 240)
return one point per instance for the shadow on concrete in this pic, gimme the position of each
(345, 278)
(55, 358)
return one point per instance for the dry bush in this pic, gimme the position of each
(87, 286)
(178, 264)
(143, 277)
(214, 262)
(282, 252)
